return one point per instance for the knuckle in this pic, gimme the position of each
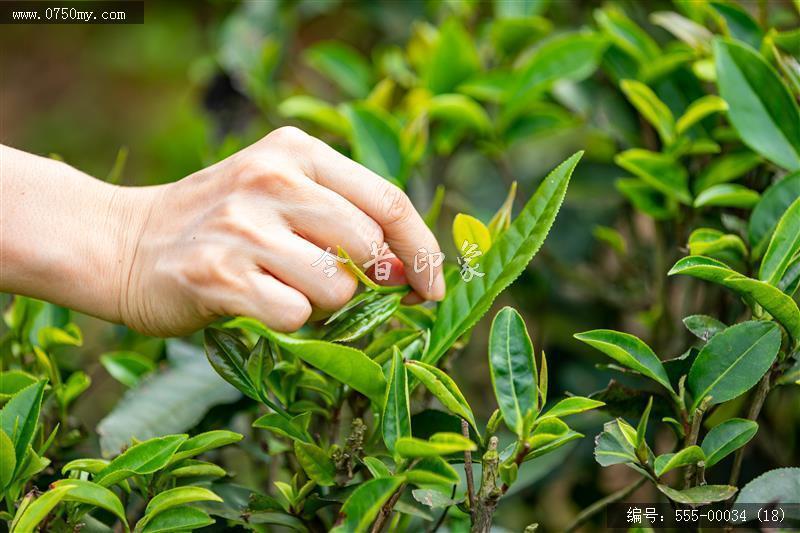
(395, 205)
(340, 291)
(294, 316)
(288, 136)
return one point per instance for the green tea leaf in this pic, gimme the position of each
(361, 508)
(739, 23)
(178, 519)
(761, 108)
(227, 354)
(348, 365)
(369, 313)
(501, 220)
(376, 467)
(466, 302)
(439, 444)
(260, 364)
(316, 111)
(612, 447)
(778, 486)
(143, 458)
(547, 431)
(452, 60)
(726, 168)
(443, 388)
(781, 306)
(726, 247)
(572, 56)
(205, 441)
(93, 494)
(627, 35)
(669, 461)
(69, 335)
(127, 367)
(433, 471)
(783, 246)
(343, 65)
(38, 509)
(646, 198)
(553, 445)
(629, 351)
(726, 438)
(396, 416)
(687, 30)
(193, 468)
(733, 361)
(92, 466)
(316, 463)
(727, 195)
(8, 460)
(513, 368)
(703, 326)
(20, 417)
(292, 429)
(660, 171)
(773, 204)
(701, 495)
(651, 108)
(571, 406)
(177, 497)
(461, 110)
(698, 110)
(376, 142)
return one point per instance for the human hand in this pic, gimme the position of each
(241, 238)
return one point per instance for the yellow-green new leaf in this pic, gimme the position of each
(468, 231)
(178, 497)
(178, 519)
(571, 406)
(502, 218)
(661, 171)
(698, 110)
(439, 444)
(726, 438)
(32, 514)
(95, 495)
(651, 108)
(443, 388)
(783, 247)
(669, 461)
(143, 458)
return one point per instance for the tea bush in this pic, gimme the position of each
(356, 424)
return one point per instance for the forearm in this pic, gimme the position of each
(64, 236)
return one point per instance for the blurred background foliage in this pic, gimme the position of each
(151, 103)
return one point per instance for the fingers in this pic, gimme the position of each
(328, 220)
(277, 305)
(310, 270)
(386, 204)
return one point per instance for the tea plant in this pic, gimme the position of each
(372, 368)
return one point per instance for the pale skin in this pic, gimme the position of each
(238, 238)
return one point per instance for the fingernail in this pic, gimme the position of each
(438, 289)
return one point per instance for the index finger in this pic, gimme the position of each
(386, 204)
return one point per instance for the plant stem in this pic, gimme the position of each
(468, 468)
(691, 438)
(599, 505)
(275, 407)
(489, 494)
(386, 510)
(755, 410)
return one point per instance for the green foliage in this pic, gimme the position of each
(360, 423)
